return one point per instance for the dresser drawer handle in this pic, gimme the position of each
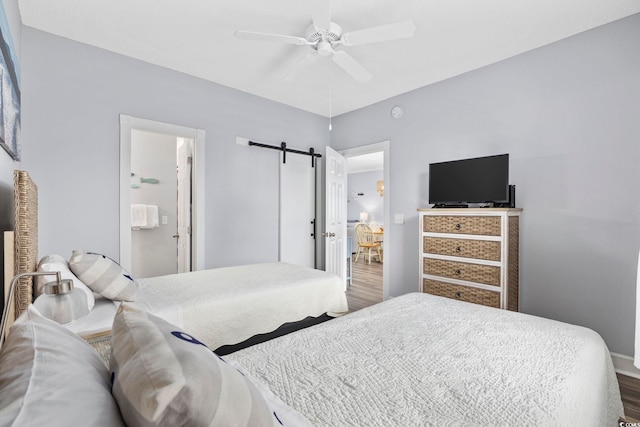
(458, 294)
(458, 272)
(458, 249)
(458, 226)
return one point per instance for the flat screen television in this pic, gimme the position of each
(477, 180)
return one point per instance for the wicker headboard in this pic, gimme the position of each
(25, 241)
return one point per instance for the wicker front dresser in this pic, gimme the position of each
(471, 255)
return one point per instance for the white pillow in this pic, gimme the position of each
(162, 376)
(52, 263)
(51, 377)
(103, 275)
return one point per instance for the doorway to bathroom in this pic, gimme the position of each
(161, 198)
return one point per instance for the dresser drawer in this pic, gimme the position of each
(478, 273)
(462, 293)
(477, 225)
(478, 249)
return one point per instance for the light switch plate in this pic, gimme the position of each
(398, 219)
(165, 219)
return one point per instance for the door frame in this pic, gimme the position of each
(184, 196)
(129, 123)
(385, 147)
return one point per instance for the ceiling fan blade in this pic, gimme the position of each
(304, 63)
(250, 35)
(399, 30)
(351, 66)
(320, 13)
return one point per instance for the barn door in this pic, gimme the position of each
(297, 211)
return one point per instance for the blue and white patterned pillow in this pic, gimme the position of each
(103, 275)
(163, 376)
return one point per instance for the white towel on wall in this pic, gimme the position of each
(144, 216)
(138, 216)
(637, 355)
(152, 217)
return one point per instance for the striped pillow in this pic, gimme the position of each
(103, 275)
(163, 376)
(49, 376)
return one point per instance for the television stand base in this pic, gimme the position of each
(447, 206)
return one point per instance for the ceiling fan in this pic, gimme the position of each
(324, 37)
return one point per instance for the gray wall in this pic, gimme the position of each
(569, 115)
(371, 202)
(72, 97)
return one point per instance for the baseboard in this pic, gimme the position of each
(624, 365)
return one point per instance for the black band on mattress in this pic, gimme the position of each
(285, 329)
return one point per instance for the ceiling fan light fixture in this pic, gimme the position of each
(323, 35)
(315, 35)
(324, 48)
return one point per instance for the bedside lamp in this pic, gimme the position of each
(59, 302)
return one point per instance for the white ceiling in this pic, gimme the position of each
(197, 37)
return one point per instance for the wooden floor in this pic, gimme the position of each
(366, 290)
(366, 285)
(630, 391)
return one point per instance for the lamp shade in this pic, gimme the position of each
(61, 302)
(364, 216)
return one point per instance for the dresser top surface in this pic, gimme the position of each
(468, 210)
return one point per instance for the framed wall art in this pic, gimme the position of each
(9, 91)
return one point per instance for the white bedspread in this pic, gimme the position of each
(100, 318)
(225, 306)
(422, 360)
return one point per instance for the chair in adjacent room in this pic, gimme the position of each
(367, 244)
(375, 226)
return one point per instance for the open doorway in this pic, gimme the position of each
(161, 201)
(161, 197)
(367, 210)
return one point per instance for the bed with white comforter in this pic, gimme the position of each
(423, 360)
(226, 306)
